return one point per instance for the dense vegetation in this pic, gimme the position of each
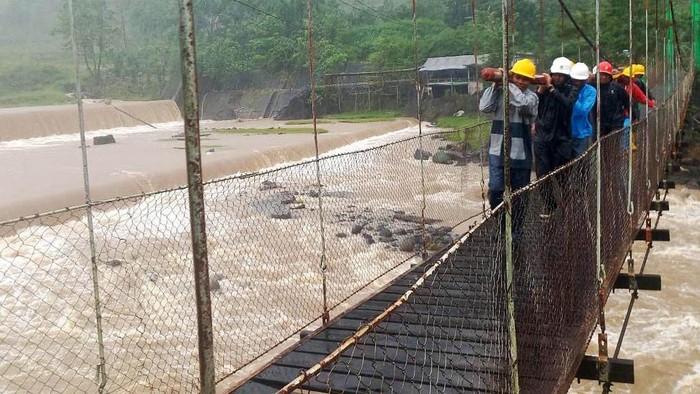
(129, 48)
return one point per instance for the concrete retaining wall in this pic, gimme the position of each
(30, 122)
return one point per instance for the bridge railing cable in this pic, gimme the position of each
(294, 246)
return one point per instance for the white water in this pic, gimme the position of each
(663, 336)
(58, 139)
(47, 322)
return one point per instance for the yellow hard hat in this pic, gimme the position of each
(638, 69)
(525, 68)
(627, 71)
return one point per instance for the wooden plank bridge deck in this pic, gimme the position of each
(449, 338)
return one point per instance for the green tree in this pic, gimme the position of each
(95, 30)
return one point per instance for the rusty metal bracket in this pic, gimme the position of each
(603, 364)
(632, 276)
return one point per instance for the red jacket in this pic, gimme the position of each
(638, 96)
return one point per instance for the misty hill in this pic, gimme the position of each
(129, 48)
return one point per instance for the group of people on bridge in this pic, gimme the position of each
(554, 122)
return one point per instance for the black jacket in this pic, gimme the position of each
(614, 103)
(554, 113)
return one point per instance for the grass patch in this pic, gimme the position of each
(204, 147)
(305, 121)
(34, 79)
(33, 98)
(289, 130)
(362, 117)
(463, 132)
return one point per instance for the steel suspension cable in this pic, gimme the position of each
(258, 10)
(630, 133)
(482, 182)
(374, 10)
(600, 268)
(375, 14)
(101, 367)
(322, 264)
(512, 25)
(665, 79)
(656, 77)
(656, 34)
(561, 30)
(420, 134)
(675, 36)
(541, 58)
(596, 46)
(646, 105)
(507, 199)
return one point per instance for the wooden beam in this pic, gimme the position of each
(666, 184)
(656, 235)
(659, 206)
(621, 370)
(644, 281)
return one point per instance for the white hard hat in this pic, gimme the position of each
(579, 71)
(561, 65)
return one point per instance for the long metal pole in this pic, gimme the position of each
(419, 117)
(512, 334)
(603, 366)
(600, 268)
(325, 317)
(196, 197)
(630, 137)
(101, 368)
(646, 107)
(478, 113)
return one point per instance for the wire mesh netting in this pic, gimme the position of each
(449, 332)
(450, 335)
(291, 246)
(264, 289)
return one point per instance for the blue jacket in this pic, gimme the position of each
(580, 117)
(523, 112)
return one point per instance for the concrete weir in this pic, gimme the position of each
(31, 122)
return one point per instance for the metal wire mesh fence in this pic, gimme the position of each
(448, 336)
(264, 288)
(284, 250)
(448, 332)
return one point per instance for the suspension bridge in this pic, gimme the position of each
(102, 297)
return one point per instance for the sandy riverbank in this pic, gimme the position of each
(44, 174)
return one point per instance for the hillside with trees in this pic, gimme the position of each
(129, 48)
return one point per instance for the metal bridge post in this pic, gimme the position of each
(196, 197)
(101, 367)
(508, 201)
